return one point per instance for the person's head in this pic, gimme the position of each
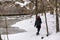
(38, 17)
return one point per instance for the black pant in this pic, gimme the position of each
(38, 28)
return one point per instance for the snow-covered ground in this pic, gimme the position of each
(28, 25)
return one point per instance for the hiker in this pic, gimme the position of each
(38, 24)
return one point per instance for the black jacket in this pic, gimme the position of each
(38, 22)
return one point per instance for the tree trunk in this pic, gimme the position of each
(6, 28)
(0, 37)
(46, 24)
(45, 19)
(57, 19)
(57, 23)
(36, 8)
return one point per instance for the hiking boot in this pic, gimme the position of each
(37, 33)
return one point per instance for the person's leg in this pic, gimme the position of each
(38, 29)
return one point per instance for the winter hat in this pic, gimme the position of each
(38, 16)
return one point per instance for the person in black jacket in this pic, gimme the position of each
(38, 24)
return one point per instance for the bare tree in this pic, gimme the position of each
(45, 18)
(57, 19)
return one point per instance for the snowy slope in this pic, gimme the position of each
(28, 25)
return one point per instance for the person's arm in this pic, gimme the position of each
(35, 23)
(40, 20)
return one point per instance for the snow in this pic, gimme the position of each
(28, 25)
(55, 36)
(23, 4)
